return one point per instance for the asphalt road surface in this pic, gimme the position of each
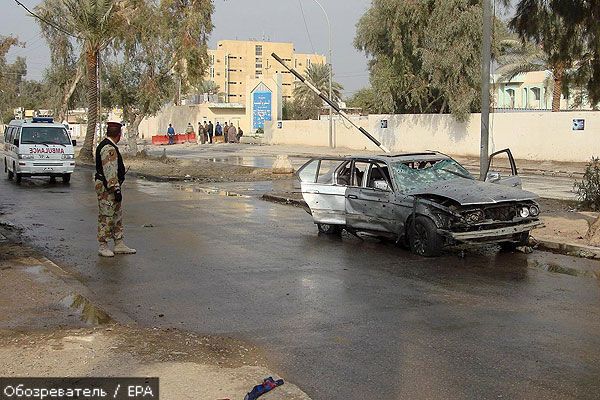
(341, 317)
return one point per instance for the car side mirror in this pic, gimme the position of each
(16, 142)
(382, 185)
(492, 176)
(74, 142)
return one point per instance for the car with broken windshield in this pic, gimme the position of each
(426, 200)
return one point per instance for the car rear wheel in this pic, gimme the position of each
(66, 178)
(18, 178)
(329, 229)
(424, 238)
(9, 173)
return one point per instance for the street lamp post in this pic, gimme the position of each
(330, 77)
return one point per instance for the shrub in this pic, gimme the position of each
(588, 190)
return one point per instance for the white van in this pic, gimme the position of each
(38, 147)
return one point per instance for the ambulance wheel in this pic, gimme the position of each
(66, 178)
(18, 178)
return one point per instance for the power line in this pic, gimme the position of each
(306, 26)
(46, 21)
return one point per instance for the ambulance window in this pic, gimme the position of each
(44, 135)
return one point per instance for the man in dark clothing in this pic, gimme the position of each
(171, 134)
(211, 129)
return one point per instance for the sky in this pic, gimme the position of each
(277, 20)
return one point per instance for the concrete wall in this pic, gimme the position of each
(180, 116)
(534, 136)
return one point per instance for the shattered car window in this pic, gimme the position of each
(415, 175)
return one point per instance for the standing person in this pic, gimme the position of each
(110, 175)
(206, 132)
(225, 132)
(211, 130)
(171, 134)
(218, 130)
(201, 133)
(189, 129)
(240, 133)
(232, 132)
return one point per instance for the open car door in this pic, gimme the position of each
(502, 169)
(323, 182)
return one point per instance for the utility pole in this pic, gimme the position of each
(486, 50)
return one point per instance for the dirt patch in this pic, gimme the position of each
(556, 205)
(168, 168)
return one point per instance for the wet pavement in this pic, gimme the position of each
(343, 318)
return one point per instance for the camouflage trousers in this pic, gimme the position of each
(110, 216)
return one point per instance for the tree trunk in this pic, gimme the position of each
(91, 59)
(558, 73)
(64, 104)
(133, 133)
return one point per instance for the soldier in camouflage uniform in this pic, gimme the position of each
(110, 174)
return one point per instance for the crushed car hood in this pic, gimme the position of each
(471, 192)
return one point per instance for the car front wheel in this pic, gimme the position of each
(329, 229)
(424, 238)
(66, 178)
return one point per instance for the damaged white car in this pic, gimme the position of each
(426, 200)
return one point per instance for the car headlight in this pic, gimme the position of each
(524, 212)
(534, 211)
(474, 216)
(68, 156)
(26, 156)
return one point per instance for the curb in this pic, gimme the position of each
(568, 249)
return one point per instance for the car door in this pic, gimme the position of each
(502, 169)
(323, 184)
(370, 199)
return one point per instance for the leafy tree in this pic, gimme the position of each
(307, 104)
(568, 31)
(11, 78)
(425, 55)
(560, 44)
(66, 68)
(94, 24)
(139, 76)
(363, 99)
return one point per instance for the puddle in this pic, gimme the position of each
(214, 191)
(561, 269)
(88, 313)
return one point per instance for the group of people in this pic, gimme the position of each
(208, 133)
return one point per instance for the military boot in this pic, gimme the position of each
(120, 248)
(104, 251)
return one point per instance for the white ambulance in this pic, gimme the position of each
(38, 147)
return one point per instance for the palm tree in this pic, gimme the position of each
(93, 23)
(558, 46)
(306, 99)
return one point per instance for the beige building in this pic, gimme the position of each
(529, 91)
(235, 62)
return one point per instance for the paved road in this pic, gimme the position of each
(342, 318)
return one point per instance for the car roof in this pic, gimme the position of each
(404, 157)
(29, 122)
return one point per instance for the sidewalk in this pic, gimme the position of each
(48, 327)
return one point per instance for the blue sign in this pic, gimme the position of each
(261, 109)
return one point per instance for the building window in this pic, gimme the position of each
(212, 59)
(212, 72)
(511, 98)
(308, 63)
(259, 50)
